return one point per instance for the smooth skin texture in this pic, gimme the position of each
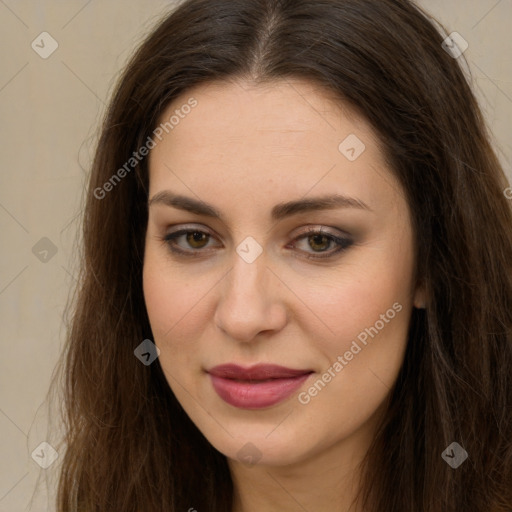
(244, 149)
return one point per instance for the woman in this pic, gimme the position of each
(296, 289)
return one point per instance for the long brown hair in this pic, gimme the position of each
(129, 444)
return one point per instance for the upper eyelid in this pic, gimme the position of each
(315, 228)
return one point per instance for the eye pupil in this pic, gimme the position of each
(316, 237)
(196, 236)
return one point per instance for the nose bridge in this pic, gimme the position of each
(248, 277)
(248, 299)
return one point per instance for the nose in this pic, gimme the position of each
(251, 300)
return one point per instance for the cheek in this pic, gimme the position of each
(369, 340)
(358, 300)
(361, 361)
(173, 303)
(365, 315)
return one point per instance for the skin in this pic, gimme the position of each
(244, 149)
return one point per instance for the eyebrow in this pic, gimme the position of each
(279, 211)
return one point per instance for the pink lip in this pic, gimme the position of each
(256, 387)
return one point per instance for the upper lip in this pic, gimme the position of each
(257, 372)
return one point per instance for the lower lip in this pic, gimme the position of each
(256, 395)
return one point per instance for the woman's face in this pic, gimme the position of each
(249, 285)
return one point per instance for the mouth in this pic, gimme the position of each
(256, 387)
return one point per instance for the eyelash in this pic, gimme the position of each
(342, 243)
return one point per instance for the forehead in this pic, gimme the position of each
(285, 137)
(281, 113)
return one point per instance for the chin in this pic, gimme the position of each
(261, 446)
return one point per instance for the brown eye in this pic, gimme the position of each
(320, 241)
(196, 239)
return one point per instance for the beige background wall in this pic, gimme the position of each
(49, 110)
